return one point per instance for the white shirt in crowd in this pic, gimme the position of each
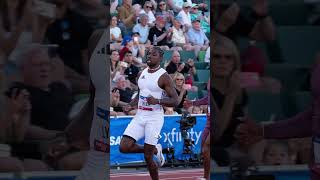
(186, 18)
(152, 18)
(178, 36)
(116, 31)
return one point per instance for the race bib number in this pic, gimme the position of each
(316, 149)
(144, 101)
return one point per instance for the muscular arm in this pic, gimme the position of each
(202, 101)
(297, 127)
(166, 83)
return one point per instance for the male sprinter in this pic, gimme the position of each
(153, 83)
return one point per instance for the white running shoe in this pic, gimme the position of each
(159, 156)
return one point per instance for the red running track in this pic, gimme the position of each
(191, 174)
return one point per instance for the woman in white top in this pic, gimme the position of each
(115, 31)
(147, 9)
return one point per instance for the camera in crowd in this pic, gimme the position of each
(187, 121)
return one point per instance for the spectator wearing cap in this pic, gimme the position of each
(147, 9)
(201, 4)
(127, 43)
(176, 5)
(158, 36)
(197, 37)
(196, 14)
(142, 28)
(127, 14)
(185, 14)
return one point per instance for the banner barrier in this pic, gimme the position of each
(170, 137)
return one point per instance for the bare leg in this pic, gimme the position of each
(128, 145)
(149, 151)
(206, 157)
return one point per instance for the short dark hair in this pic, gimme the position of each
(114, 50)
(160, 51)
(127, 52)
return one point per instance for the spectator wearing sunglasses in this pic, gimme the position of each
(185, 14)
(147, 9)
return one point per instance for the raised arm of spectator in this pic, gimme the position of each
(264, 29)
(8, 43)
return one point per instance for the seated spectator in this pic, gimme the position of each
(202, 4)
(16, 128)
(184, 14)
(163, 10)
(51, 101)
(176, 5)
(175, 65)
(131, 70)
(196, 14)
(276, 153)
(179, 36)
(128, 16)
(116, 69)
(138, 50)
(147, 9)
(233, 22)
(115, 31)
(142, 28)
(126, 44)
(158, 35)
(179, 81)
(125, 90)
(197, 37)
(116, 103)
(169, 111)
(196, 110)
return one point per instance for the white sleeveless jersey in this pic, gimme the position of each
(148, 86)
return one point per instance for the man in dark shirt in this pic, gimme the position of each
(176, 65)
(158, 34)
(132, 70)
